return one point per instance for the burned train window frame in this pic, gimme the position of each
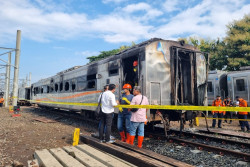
(66, 86)
(240, 85)
(41, 89)
(210, 87)
(73, 83)
(91, 82)
(113, 68)
(56, 87)
(48, 88)
(60, 86)
(81, 83)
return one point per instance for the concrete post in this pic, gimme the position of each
(16, 71)
(7, 81)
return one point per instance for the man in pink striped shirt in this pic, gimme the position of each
(139, 117)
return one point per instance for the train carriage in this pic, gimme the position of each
(232, 84)
(169, 72)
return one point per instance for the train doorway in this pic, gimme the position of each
(131, 70)
(183, 75)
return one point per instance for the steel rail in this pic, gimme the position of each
(212, 138)
(224, 134)
(206, 147)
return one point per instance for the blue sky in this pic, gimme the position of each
(59, 34)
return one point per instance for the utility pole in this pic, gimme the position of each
(7, 82)
(30, 79)
(16, 71)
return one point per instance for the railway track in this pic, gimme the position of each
(134, 155)
(205, 142)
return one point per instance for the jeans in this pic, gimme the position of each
(121, 119)
(106, 120)
(134, 126)
(243, 124)
(219, 115)
(228, 115)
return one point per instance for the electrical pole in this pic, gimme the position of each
(7, 81)
(16, 71)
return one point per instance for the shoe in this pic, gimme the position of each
(243, 129)
(112, 137)
(122, 134)
(110, 141)
(96, 135)
(128, 138)
(219, 127)
(212, 126)
(140, 140)
(102, 141)
(132, 138)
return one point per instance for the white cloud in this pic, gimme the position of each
(40, 22)
(149, 11)
(171, 5)
(87, 53)
(207, 19)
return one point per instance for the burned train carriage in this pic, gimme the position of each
(169, 72)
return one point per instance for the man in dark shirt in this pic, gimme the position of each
(228, 103)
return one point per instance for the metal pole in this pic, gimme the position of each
(30, 79)
(16, 71)
(7, 82)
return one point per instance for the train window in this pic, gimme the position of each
(113, 72)
(42, 89)
(113, 68)
(81, 83)
(209, 87)
(91, 85)
(66, 86)
(56, 87)
(51, 89)
(91, 77)
(73, 85)
(61, 86)
(47, 89)
(240, 84)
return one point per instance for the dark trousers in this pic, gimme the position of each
(106, 120)
(219, 115)
(243, 124)
(1, 104)
(228, 115)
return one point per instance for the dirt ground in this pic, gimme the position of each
(21, 136)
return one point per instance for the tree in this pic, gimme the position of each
(105, 54)
(237, 43)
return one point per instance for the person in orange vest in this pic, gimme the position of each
(124, 115)
(1, 101)
(243, 114)
(218, 102)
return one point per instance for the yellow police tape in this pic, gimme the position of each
(166, 107)
(224, 119)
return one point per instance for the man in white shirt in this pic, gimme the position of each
(108, 102)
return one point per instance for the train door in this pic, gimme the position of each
(183, 75)
(240, 87)
(130, 68)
